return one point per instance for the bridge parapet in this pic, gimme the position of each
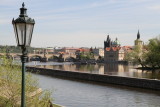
(30, 55)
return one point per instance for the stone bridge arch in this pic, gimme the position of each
(68, 56)
(53, 58)
(70, 59)
(9, 55)
(35, 58)
(16, 56)
(40, 56)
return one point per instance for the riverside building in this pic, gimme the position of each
(114, 52)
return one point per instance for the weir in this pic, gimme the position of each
(119, 80)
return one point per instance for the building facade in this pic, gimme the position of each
(98, 52)
(114, 52)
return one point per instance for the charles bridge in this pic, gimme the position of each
(39, 56)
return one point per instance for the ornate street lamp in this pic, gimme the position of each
(23, 28)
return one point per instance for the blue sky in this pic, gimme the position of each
(82, 23)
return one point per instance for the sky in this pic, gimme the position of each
(82, 23)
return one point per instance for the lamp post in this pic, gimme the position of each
(23, 28)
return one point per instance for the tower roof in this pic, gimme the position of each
(138, 35)
(108, 38)
(116, 42)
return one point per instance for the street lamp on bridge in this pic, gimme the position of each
(23, 28)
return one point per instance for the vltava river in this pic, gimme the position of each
(110, 69)
(83, 94)
(72, 93)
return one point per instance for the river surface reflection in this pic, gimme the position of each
(87, 94)
(73, 93)
(109, 69)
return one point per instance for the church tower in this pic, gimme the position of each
(138, 42)
(107, 43)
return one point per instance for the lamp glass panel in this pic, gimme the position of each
(29, 31)
(15, 31)
(21, 33)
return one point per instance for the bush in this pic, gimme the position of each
(10, 87)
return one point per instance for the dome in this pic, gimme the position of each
(116, 43)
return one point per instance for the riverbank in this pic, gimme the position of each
(126, 81)
(148, 68)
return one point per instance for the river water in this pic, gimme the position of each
(110, 69)
(73, 93)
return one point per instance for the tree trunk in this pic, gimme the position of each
(140, 61)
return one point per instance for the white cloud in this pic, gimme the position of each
(155, 7)
(83, 24)
(9, 2)
(4, 21)
(76, 39)
(82, 39)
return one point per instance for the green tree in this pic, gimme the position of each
(153, 54)
(86, 56)
(10, 87)
(149, 56)
(136, 56)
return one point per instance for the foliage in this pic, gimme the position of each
(10, 87)
(15, 49)
(149, 56)
(153, 54)
(136, 56)
(100, 59)
(86, 56)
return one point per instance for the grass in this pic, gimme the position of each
(56, 105)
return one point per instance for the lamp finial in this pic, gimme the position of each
(23, 4)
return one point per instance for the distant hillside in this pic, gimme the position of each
(15, 49)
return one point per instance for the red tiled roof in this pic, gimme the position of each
(83, 50)
(61, 52)
(108, 49)
(116, 48)
(113, 48)
(127, 48)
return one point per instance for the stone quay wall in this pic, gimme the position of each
(126, 81)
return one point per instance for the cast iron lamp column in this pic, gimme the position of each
(23, 28)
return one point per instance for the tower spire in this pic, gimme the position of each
(138, 35)
(107, 37)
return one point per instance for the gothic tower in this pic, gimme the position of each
(107, 43)
(138, 42)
